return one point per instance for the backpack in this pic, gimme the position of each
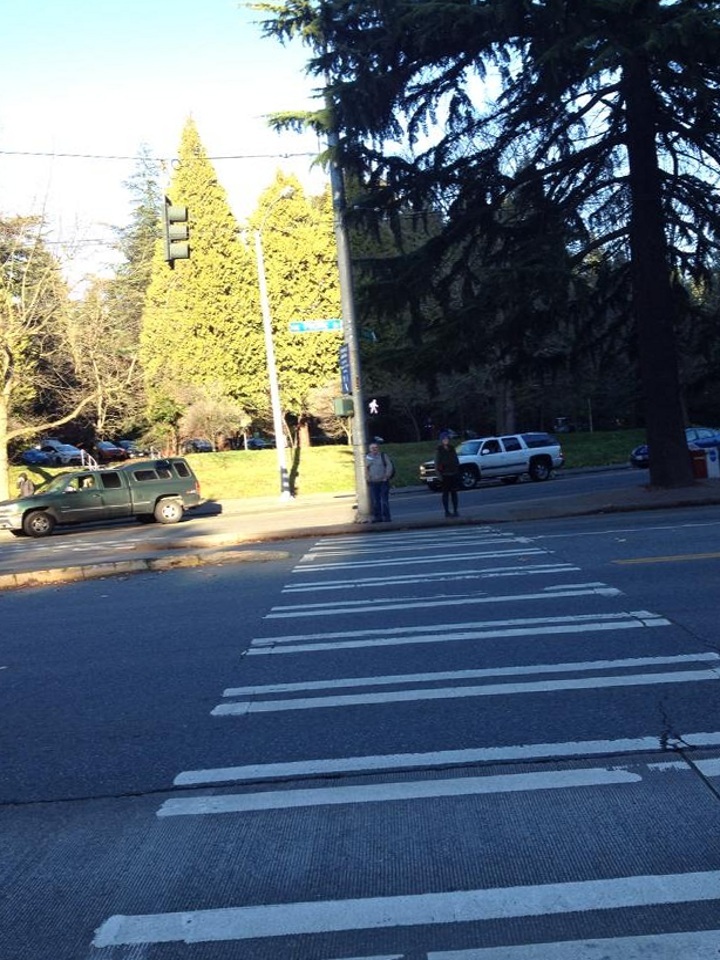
(386, 460)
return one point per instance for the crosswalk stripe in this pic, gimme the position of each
(243, 708)
(354, 607)
(695, 945)
(270, 647)
(434, 560)
(424, 909)
(644, 617)
(521, 671)
(404, 790)
(442, 758)
(487, 573)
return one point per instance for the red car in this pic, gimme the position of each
(107, 452)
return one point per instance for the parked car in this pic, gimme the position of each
(62, 454)
(35, 458)
(197, 445)
(259, 443)
(133, 449)
(701, 437)
(107, 452)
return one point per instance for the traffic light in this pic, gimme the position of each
(175, 223)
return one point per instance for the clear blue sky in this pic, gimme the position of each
(102, 77)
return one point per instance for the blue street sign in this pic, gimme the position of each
(315, 326)
(345, 380)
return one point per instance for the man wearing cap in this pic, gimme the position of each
(379, 468)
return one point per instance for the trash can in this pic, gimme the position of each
(712, 462)
(699, 463)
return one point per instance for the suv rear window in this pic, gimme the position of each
(538, 439)
(511, 443)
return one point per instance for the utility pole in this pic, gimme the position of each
(347, 299)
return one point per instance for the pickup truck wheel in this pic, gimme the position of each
(38, 523)
(168, 511)
(540, 469)
(468, 478)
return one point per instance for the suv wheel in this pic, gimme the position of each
(468, 478)
(540, 469)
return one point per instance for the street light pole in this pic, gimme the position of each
(278, 419)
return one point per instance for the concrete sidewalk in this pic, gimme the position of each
(250, 526)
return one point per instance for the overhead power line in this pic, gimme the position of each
(94, 156)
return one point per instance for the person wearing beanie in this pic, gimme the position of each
(447, 466)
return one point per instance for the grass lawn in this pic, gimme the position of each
(238, 474)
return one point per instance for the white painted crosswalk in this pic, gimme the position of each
(464, 906)
(446, 599)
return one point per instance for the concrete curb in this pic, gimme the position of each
(220, 548)
(115, 568)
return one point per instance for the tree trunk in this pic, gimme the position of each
(4, 478)
(670, 464)
(505, 408)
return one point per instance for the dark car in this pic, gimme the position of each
(701, 437)
(107, 452)
(36, 458)
(259, 443)
(197, 445)
(133, 449)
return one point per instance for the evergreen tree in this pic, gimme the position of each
(301, 270)
(610, 105)
(196, 327)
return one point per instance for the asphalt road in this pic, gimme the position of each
(463, 743)
(126, 540)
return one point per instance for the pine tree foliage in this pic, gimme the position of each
(196, 326)
(608, 110)
(300, 260)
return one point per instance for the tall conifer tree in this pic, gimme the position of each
(196, 329)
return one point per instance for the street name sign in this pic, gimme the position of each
(315, 326)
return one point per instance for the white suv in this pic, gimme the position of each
(502, 458)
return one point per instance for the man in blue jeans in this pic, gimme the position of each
(379, 469)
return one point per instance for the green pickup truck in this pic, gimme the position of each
(151, 490)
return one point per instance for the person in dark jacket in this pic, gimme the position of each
(447, 467)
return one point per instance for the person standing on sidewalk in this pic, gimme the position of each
(379, 468)
(26, 488)
(447, 467)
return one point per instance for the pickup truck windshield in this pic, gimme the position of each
(56, 485)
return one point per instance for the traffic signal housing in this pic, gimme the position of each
(176, 232)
